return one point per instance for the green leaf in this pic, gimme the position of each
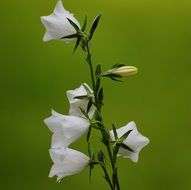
(101, 156)
(126, 147)
(94, 26)
(70, 36)
(98, 81)
(85, 24)
(100, 96)
(89, 133)
(74, 25)
(115, 132)
(98, 70)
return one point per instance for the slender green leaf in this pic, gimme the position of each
(98, 70)
(101, 156)
(94, 26)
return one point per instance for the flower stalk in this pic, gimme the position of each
(105, 136)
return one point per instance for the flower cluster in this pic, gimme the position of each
(66, 130)
(85, 109)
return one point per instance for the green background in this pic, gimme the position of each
(153, 35)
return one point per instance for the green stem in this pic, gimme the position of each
(89, 61)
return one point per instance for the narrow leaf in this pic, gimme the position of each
(94, 26)
(89, 133)
(98, 70)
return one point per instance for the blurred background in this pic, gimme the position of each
(154, 36)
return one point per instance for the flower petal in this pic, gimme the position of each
(66, 129)
(67, 162)
(134, 140)
(76, 104)
(57, 25)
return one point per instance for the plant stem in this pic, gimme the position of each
(104, 135)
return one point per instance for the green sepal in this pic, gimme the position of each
(118, 65)
(81, 97)
(114, 132)
(85, 24)
(74, 25)
(126, 147)
(70, 36)
(77, 43)
(89, 105)
(94, 26)
(124, 136)
(84, 113)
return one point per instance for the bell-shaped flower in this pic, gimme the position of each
(57, 24)
(66, 129)
(67, 162)
(76, 104)
(135, 141)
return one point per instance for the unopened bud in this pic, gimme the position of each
(125, 71)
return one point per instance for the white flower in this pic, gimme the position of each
(67, 162)
(134, 140)
(66, 129)
(76, 104)
(57, 25)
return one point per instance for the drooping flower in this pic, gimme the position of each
(134, 141)
(57, 25)
(76, 104)
(67, 162)
(66, 128)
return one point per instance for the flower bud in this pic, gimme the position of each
(125, 71)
